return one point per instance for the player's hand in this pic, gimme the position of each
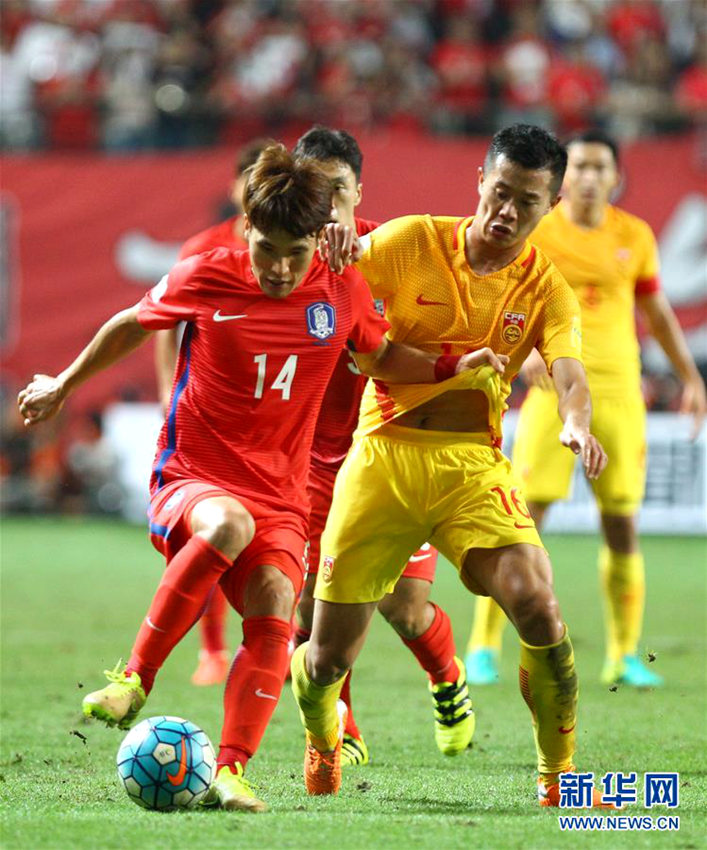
(534, 372)
(41, 399)
(339, 246)
(482, 357)
(586, 445)
(694, 402)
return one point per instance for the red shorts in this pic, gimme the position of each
(280, 537)
(320, 488)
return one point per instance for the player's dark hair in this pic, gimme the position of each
(596, 137)
(325, 144)
(248, 154)
(530, 147)
(284, 193)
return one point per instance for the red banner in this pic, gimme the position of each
(84, 236)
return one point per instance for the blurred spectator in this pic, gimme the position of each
(90, 484)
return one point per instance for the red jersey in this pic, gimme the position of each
(252, 371)
(339, 414)
(219, 236)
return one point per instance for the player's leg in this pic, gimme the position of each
(214, 657)
(208, 530)
(545, 469)
(427, 632)
(620, 425)
(519, 577)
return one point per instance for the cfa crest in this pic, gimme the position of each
(513, 327)
(327, 568)
(321, 319)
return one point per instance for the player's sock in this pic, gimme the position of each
(176, 605)
(434, 649)
(253, 687)
(487, 628)
(548, 683)
(317, 704)
(213, 622)
(351, 727)
(623, 586)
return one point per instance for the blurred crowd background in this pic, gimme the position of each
(131, 75)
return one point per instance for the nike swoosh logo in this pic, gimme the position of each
(219, 317)
(564, 731)
(153, 626)
(262, 694)
(518, 525)
(415, 558)
(178, 777)
(424, 303)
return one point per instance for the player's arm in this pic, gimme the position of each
(166, 348)
(400, 364)
(339, 246)
(575, 408)
(534, 371)
(664, 326)
(43, 397)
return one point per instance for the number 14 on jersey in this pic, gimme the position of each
(283, 380)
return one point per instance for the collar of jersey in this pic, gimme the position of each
(459, 246)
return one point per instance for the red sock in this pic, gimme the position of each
(213, 622)
(253, 687)
(351, 728)
(434, 649)
(176, 605)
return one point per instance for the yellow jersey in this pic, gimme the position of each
(435, 302)
(606, 266)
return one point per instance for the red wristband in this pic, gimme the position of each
(446, 366)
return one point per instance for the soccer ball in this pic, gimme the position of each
(166, 763)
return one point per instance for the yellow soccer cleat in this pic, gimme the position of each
(232, 792)
(119, 703)
(454, 716)
(354, 751)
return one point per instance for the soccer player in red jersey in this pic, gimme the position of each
(214, 658)
(229, 505)
(423, 626)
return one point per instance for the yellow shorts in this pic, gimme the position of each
(401, 487)
(545, 466)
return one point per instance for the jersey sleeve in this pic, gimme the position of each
(173, 299)
(647, 279)
(561, 334)
(368, 326)
(388, 252)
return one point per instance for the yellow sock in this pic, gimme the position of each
(624, 588)
(487, 628)
(548, 683)
(317, 703)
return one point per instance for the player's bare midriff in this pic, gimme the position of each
(456, 410)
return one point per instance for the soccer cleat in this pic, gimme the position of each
(549, 793)
(119, 702)
(454, 716)
(482, 666)
(322, 770)
(631, 671)
(232, 791)
(212, 668)
(354, 751)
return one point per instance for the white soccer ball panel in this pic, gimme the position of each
(165, 753)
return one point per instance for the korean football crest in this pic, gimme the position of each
(513, 327)
(321, 320)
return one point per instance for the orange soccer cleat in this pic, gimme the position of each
(322, 770)
(549, 793)
(212, 668)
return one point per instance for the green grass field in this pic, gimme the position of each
(75, 590)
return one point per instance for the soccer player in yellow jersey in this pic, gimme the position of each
(425, 463)
(610, 260)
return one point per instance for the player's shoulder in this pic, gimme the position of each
(549, 279)
(217, 235)
(365, 226)
(216, 266)
(628, 225)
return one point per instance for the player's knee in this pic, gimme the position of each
(229, 529)
(269, 593)
(406, 618)
(536, 614)
(325, 665)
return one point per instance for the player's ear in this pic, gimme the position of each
(247, 227)
(359, 194)
(555, 201)
(481, 178)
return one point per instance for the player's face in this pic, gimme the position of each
(591, 175)
(345, 191)
(279, 259)
(512, 200)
